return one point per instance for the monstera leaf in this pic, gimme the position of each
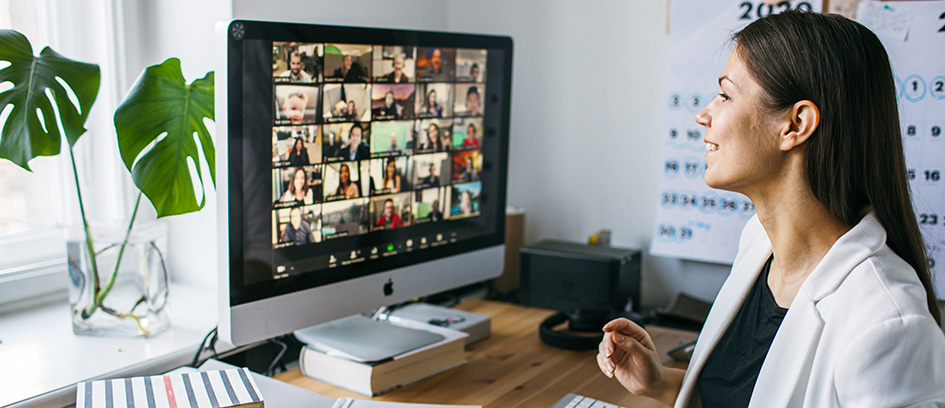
(156, 126)
(31, 128)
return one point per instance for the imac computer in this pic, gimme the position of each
(356, 168)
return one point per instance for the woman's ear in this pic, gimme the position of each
(801, 120)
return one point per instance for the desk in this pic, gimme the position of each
(511, 368)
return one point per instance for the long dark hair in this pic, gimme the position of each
(855, 157)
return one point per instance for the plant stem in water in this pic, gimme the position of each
(88, 241)
(100, 294)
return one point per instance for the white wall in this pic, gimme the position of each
(155, 31)
(586, 106)
(587, 92)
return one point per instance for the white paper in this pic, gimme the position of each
(694, 221)
(918, 62)
(359, 403)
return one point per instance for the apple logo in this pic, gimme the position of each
(389, 287)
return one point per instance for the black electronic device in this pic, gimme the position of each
(588, 284)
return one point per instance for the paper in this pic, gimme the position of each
(918, 62)
(694, 221)
(358, 403)
(888, 20)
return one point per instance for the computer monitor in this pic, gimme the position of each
(356, 168)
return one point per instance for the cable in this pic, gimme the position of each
(269, 371)
(213, 342)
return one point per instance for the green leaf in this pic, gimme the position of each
(156, 125)
(23, 136)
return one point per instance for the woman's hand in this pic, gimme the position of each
(628, 354)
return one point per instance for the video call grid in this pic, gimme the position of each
(417, 160)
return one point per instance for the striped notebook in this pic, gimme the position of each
(210, 389)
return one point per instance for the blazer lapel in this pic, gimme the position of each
(723, 311)
(781, 380)
(790, 357)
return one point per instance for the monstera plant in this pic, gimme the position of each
(158, 127)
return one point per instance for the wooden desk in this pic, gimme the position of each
(511, 368)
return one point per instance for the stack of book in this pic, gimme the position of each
(372, 378)
(218, 388)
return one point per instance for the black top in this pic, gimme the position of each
(729, 375)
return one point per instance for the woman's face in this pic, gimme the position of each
(299, 180)
(431, 98)
(389, 99)
(298, 145)
(434, 134)
(741, 139)
(472, 103)
(344, 175)
(391, 169)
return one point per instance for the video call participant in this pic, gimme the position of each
(295, 72)
(297, 231)
(394, 148)
(351, 112)
(472, 101)
(431, 180)
(390, 110)
(434, 141)
(830, 301)
(397, 76)
(391, 177)
(355, 150)
(474, 72)
(346, 188)
(298, 156)
(389, 219)
(298, 192)
(435, 213)
(431, 107)
(293, 108)
(437, 72)
(468, 172)
(349, 71)
(471, 140)
(465, 203)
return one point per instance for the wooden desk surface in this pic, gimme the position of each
(511, 368)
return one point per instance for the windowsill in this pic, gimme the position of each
(42, 359)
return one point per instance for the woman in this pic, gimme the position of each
(431, 108)
(351, 113)
(298, 156)
(391, 178)
(434, 143)
(346, 188)
(298, 193)
(829, 302)
(389, 110)
(465, 203)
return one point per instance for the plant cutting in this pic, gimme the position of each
(161, 135)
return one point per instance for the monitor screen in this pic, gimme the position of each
(352, 152)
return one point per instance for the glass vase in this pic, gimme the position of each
(122, 289)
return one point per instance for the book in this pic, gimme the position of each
(374, 378)
(358, 403)
(218, 388)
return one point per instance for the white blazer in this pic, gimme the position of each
(858, 333)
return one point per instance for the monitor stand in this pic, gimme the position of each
(361, 338)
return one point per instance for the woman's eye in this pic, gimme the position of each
(724, 96)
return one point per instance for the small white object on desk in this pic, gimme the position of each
(476, 325)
